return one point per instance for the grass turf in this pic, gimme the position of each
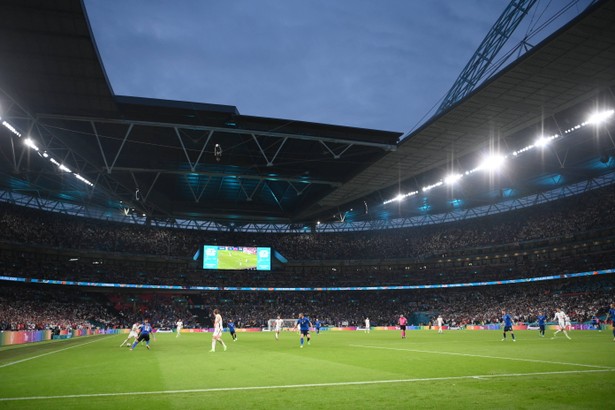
(236, 260)
(457, 369)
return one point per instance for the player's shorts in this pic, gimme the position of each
(402, 327)
(143, 336)
(217, 333)
(305, 332)
(133, 334)
(542, 327)
(508, 328)
(562, 325)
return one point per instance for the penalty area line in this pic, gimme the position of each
(48, 353)
(516, 359)
(480, 377)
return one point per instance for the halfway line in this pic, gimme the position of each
(485, 357)
(300, 386)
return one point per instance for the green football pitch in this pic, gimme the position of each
(349, 370)
(236, 260)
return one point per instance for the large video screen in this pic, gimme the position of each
(236, 257)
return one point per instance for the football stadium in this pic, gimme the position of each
(180, 254)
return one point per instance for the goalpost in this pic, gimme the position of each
(286, 324)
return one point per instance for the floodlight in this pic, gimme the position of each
(30, 143)
(80, 178)
(598, 117)
(432, 186)
(452, 178)
(64, 168)
(398, 198)
(11, 128)
(492, 162)
(542, 142)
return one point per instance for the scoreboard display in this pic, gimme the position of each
(236, 257)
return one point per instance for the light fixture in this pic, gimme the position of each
(30, 143)
(64, 168)
(11, 128)
(542, 142)
(492, 162)
(452, 178)
(495, 162)
(599, 117)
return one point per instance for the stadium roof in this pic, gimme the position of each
(160, 158)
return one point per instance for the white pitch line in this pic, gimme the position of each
(485, 357)
(300, 386)
(48, 353)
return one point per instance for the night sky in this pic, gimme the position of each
(382, 65)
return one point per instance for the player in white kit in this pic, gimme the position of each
(134, 333)
(217, 336)
(278, 327)
(440, 323)
(560, 316)
(180, 326)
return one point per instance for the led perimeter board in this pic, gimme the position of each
(236, 257)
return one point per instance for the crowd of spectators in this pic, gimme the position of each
(573, 235)
(45, 307)
(587, 255)
(42, 308)
(563, 218)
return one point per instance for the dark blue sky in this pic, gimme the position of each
(362, 63)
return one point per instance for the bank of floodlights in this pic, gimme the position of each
(600, 117)
(31, 144)
(495, 162)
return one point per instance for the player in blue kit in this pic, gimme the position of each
(611, 315)
(144, 330)
(542, 319)
(231, 330)
(596, 323)
(508, 323)
(317, 326)
(304, 325)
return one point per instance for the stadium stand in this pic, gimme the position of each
(562, 237)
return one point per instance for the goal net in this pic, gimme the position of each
(287, 324)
